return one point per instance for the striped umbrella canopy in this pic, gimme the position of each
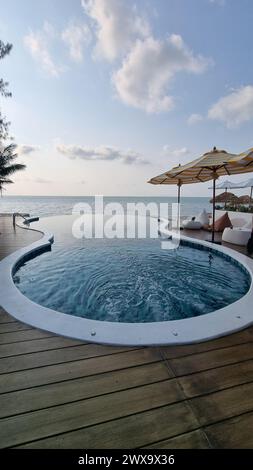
(214, 164)
(244, 159)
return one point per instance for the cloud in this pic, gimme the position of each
(38, 44)
(194, 119)
(176, 153)
(235, 108)
(34, 180)
(27, 149)
(77, 37)
(42, 181)
(103, 153)
(117, 25)
(144, 77)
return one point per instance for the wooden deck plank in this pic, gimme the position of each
(32, 346)
(17, 336)
(78, 389)
(191, 440)
(217, 379)
(211, 359)
(70, 370)
(13, 238)
(13, 326)
(5, 317)
(235, 433)
(56, 356)
(84, 413)
(130, 432)
(224, 404)
(172, 352)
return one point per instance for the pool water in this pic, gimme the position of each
(129, 280)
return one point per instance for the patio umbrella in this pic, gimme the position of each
(211, 166)
(166, 178)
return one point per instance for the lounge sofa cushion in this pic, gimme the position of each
(238, 221)
(192, 224)
(222, 223)
(203, 217)
(249, 225)
(236, 236)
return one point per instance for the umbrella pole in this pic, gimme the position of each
(250, 202)
(226, 190)
(178, 203)
(214, 195)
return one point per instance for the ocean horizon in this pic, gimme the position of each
(44, 206)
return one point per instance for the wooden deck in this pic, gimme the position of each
(62, 393)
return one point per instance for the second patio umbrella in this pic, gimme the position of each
(166, 178)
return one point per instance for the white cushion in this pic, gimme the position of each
(192, 224)
(238, 221)
(237, 236)
(249, 225)
(203, 218)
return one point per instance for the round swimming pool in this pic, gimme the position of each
(128, 291)
(130, 280)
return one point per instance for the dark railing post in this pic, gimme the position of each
(214, 195)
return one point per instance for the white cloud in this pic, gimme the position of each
(235, 108)
(194, 119)
(103, 152)
(34, 180)
(27, 149)
(42, 181)
(144, 77)
(117, 25)
(77, 37)
(38, 44)
(176, 153)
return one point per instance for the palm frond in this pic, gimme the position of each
(7, 166)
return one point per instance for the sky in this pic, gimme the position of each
(109, 93)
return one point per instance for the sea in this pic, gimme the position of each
(44, 206)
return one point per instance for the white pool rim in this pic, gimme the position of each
(229, 319)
